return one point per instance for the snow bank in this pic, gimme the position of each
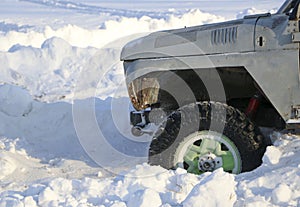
(276, 182)
(272, 184)
(131, 189)
(50, 127)
(52, 71)
(109, 31)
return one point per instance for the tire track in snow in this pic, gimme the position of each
(84, 8)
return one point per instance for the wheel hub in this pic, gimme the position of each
(209, 162)
(207, 151)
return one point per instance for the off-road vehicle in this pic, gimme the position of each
(210, 89)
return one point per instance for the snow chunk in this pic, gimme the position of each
(57, 47)
(145, 198)
(147, 176)
(61, 186)
(217, 189)
(281, 194)
(118, 204)
(15, 101)
(14, 146)
(29, 201)
(182, 183)
(7, 165)
(48, 197)
(11, 202)
(272, 156)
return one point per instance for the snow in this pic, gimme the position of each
(212, 192)
(281, 194)
(145, 198)
(64, 132)
(7, 166)
(272, 155)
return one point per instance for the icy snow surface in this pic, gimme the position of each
(62, 87)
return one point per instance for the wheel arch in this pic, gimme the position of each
(239, 87)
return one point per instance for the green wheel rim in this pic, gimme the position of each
(216, 145)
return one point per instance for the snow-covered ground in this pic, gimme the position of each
(64, 130)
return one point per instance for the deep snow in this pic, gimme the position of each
(64, 131)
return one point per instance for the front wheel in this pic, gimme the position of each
(190, 139)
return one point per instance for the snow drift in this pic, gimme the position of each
(53, 70)
(108, 31)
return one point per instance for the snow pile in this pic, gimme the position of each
(276, 182)
(52, 70)
(168, 188)
(109, 31)
(144, 185)
(49, 127)
(44, 127)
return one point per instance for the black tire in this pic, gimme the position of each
(176, 129)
